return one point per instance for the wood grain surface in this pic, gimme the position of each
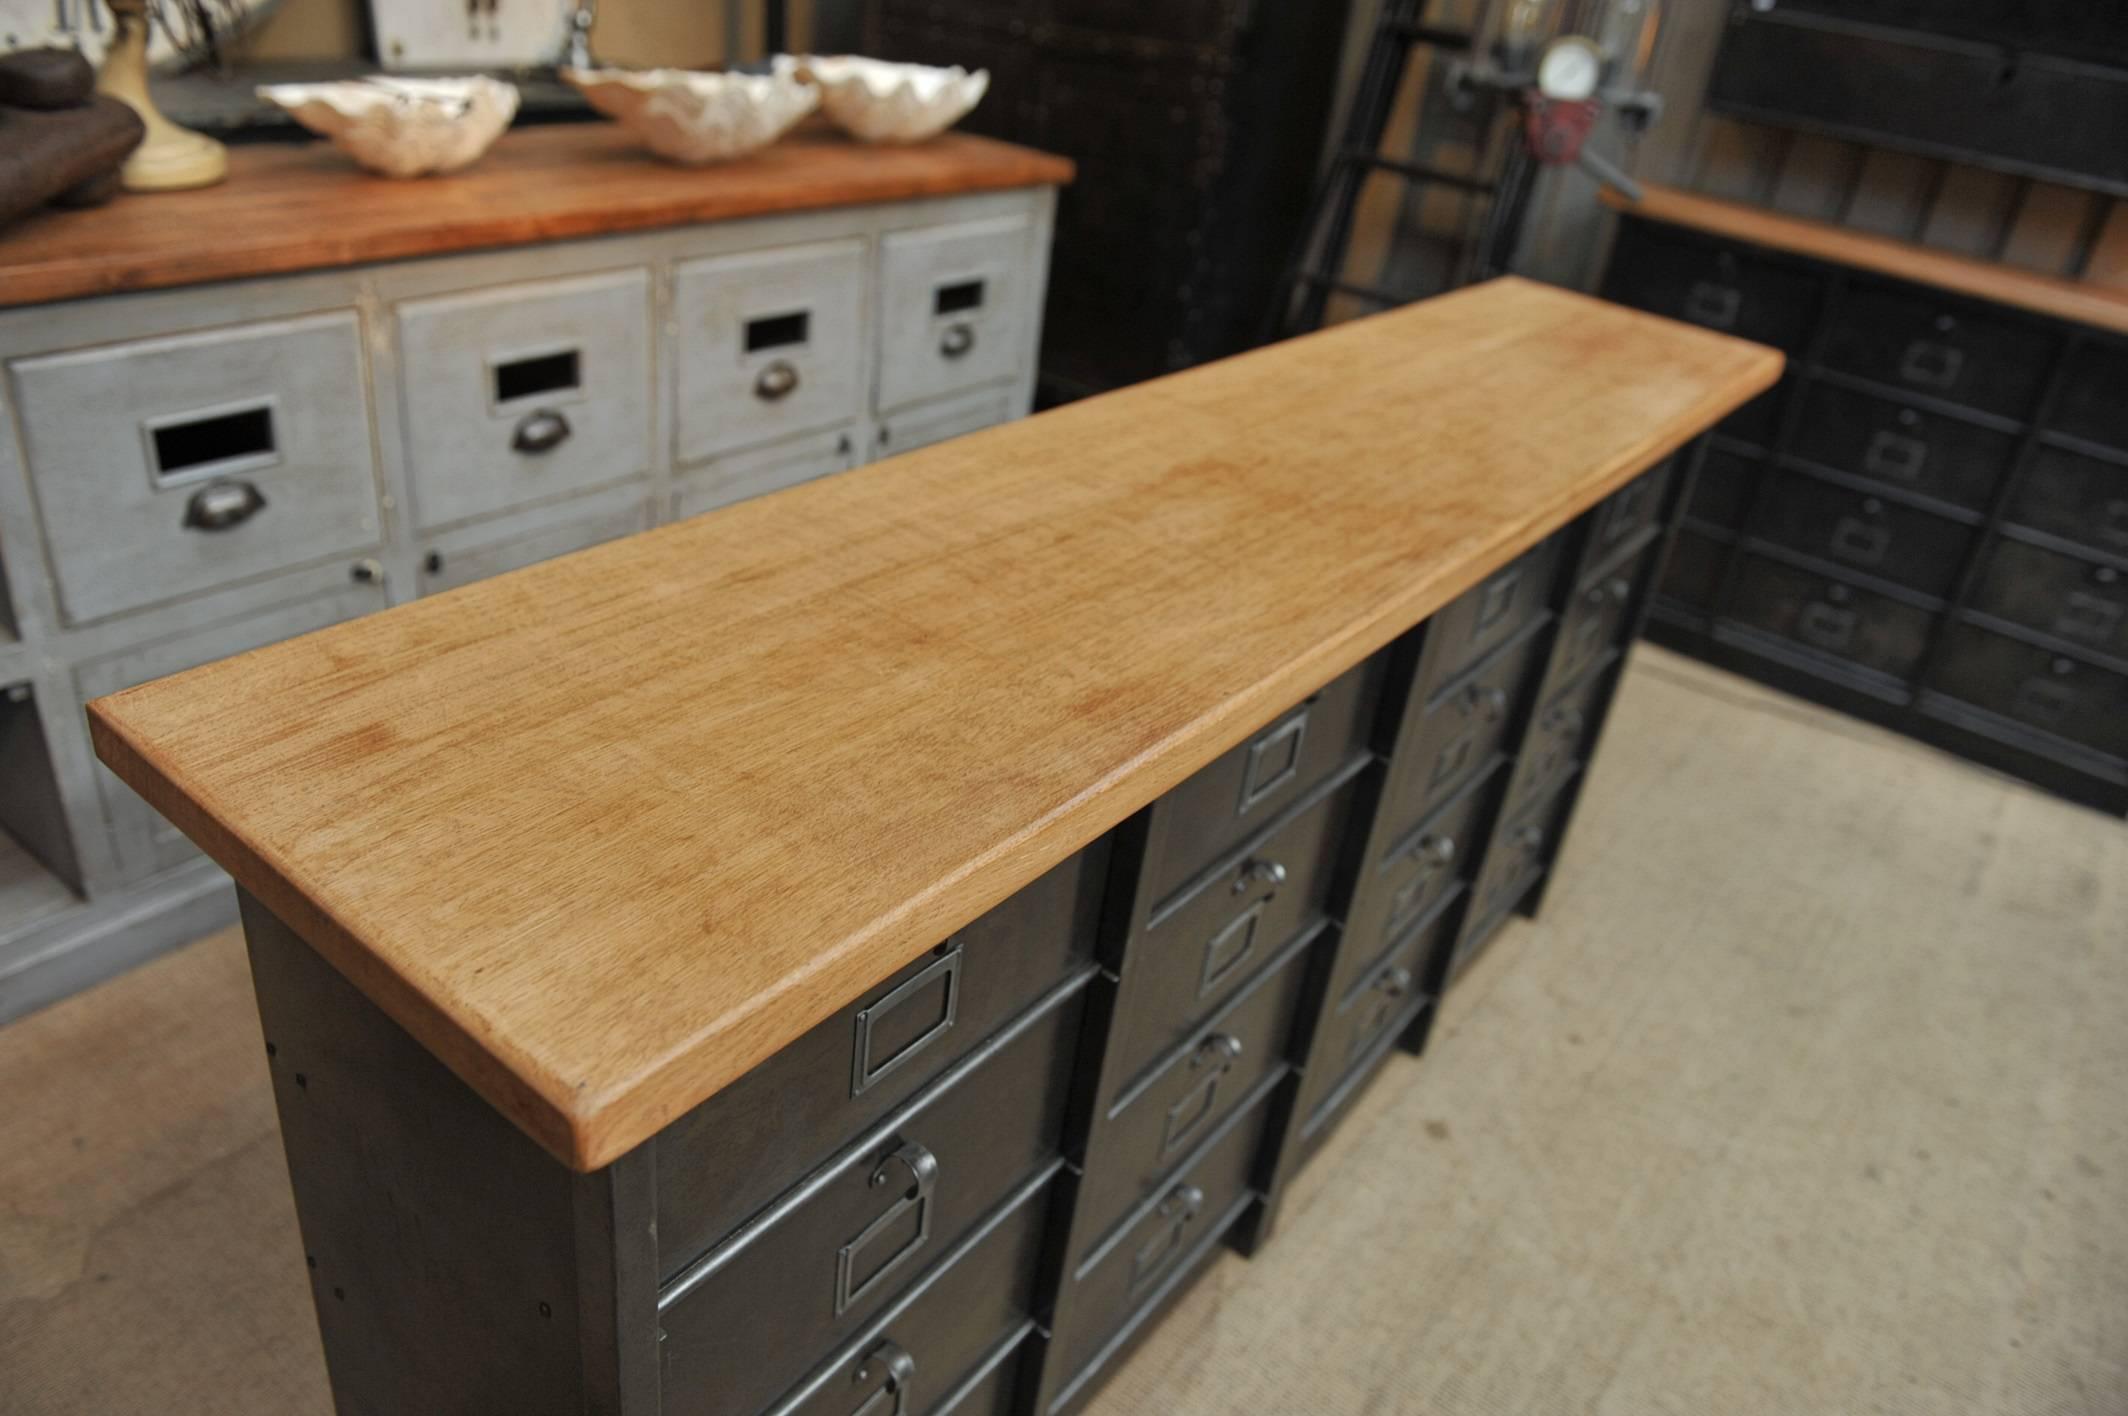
(607, 832)
(2082, 301)
(298, 208)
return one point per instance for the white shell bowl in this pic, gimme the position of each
(694, 117)
(402, 127)
(878, 102)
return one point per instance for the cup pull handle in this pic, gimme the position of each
(779, 380)
(221, 505)
(541, 430)
(958, 339)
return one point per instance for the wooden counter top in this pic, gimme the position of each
(607, 832)
(2098, 305)
(298, 208)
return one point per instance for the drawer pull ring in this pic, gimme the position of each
(1257, 871)
(778, 380)
(1395, 984)
(1210, 1063)
(958, 339)
(221, 505)
(1827, 626)
(1895, 456)
(1176, 1212)
(1434, 850)
(1930, 364)
(894, 1369)
(922, 1167)
(1859, 541)
(1713, 305)
(541, 430)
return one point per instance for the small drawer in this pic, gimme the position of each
(1202, 946)
(2060, 595)
(446, 567)
(1160, 1240)
(944, 1332)
(1900, 446)
(2090, 404)
(1481, 620)
(1629, 510)
(168, 467)
(1519, 853)
(1208, 815)
(1371, 1010)
(954, 308)
(1478, 932)
(1831, 617)
(1462, 727)
(524, 393)
(1926, 343)
(1155, 1124)
(1715, 286)
(737, 476)
(1759, 421)
(726, 1159)
(2056, 694)
(813, 1271)
(1556, 740)
(1420, 867)
(1868, 533)
(769, 346)
(142, 840)
(2081, 499)
(1693, 575)
(1722, 494)
(947, 419)
(1596, 620)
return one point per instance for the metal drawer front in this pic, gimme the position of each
(1693, 575)
(1461, 728)
(1201, 948)
(1870, 534)
(1486, 617)
(1831, 617)
(1629, 510)
(2077, 600)
(939, 1334)
(1517, 856)
(1420, 867)
(1926, 343)
(1901, 446)
(1220, 805)
(819, 1266)
(722, 1162)
(2090, 404)
(1154, 1125)
(1555, 740)
(1713, 286)
(756, 472)
(167, 467)
(1722, 495)
(949, 418)
(768, 346)
(2082, 499)
(2051, 692)
(522, 393)
(1368, 1012)
(1595, 621)
(954, 308)
(447, 569)
(1130, 1271)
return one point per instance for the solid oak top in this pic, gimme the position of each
(607, 832)
(2084, 303)
(307, 207)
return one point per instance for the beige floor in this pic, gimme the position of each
(1808, 1095)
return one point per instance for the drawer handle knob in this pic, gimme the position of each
(541, 430)
(778, 380)
(1440, 849)
(2105, 575)
(1396, 983)
(1492, 701)
(1530, 838)
(958, 339)
(1931, 364)
(1166, 1244)
(367, 571)
(1258, 871)
(894, 1369)
(1222, 1050)
(1715, 305)
(221, 505)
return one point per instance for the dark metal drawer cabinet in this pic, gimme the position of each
(1933, 344)
(1461, 727)
(1218, 806)
(723, 1161)
(2051, 692)
(1930, 454)
(2077, 600)
(1420, 869)
(1693, 575)
(1204, 944)
(1722, 495)
(1481, 620)
(2081, 499)
(1155, 1124)
(1710, 285)
(813, 1269)
(1124, 1280)
(960, 1325)
(1869, 533)
(2092, 403)
(1869, 630)
(1629, 511)
(1369, 1014)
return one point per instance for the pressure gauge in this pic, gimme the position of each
(1569, 70)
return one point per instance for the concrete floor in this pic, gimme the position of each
(1808, 1095)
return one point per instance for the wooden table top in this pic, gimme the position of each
(307, 207)
(2103, 306)
(607, 832)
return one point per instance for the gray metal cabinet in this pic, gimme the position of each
(189, 473)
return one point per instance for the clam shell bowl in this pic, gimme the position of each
(693, 117)
(878, 102)
(402, 127)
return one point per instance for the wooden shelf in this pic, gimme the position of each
(301, 208)
(606, 833)
(2083, 303)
